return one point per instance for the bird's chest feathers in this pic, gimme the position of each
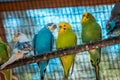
(65, 40)
(88, 33)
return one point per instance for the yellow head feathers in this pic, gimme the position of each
(87, 17)
(63, 27)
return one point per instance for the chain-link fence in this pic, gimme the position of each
(30, 21)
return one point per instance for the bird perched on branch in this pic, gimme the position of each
(43, 42)
(113, 24)
(4, 56)
(22, 46)
(91, 32)
(66, 38)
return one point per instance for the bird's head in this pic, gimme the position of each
(86, 17)
(18, 36)
(63, 27)
(51, 26)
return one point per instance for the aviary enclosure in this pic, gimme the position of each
(29, 16)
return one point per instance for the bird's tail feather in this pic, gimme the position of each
(97, 72)
(42, 76)
(43, 66)
(72, 66)
(66, 77)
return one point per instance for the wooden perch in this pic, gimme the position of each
(66, 51)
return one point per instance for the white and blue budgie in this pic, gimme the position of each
(23, 45)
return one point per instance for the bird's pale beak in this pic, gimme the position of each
(52, 28)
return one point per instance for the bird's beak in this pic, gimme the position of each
(61, 30)
(15, 38)
(52, 28)
(83, 19)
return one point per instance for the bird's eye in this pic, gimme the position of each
(64, 25)
(60, 26)
(64, 28)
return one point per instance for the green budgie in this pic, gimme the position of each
(91, 32)
(66, 38)
(4, 56)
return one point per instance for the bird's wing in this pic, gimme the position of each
(34, 43)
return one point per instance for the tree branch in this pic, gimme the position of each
(66, 51)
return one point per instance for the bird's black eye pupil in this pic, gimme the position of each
(64, 28)
(88, 16)
(60, 26)
(64, 25)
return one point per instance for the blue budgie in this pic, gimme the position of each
(43, 42)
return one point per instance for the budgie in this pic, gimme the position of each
(66, 38)
(91, 32)
(43, 42)
(113, 24)
(22, 46)
(4, 56)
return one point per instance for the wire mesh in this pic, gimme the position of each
(32, 20)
